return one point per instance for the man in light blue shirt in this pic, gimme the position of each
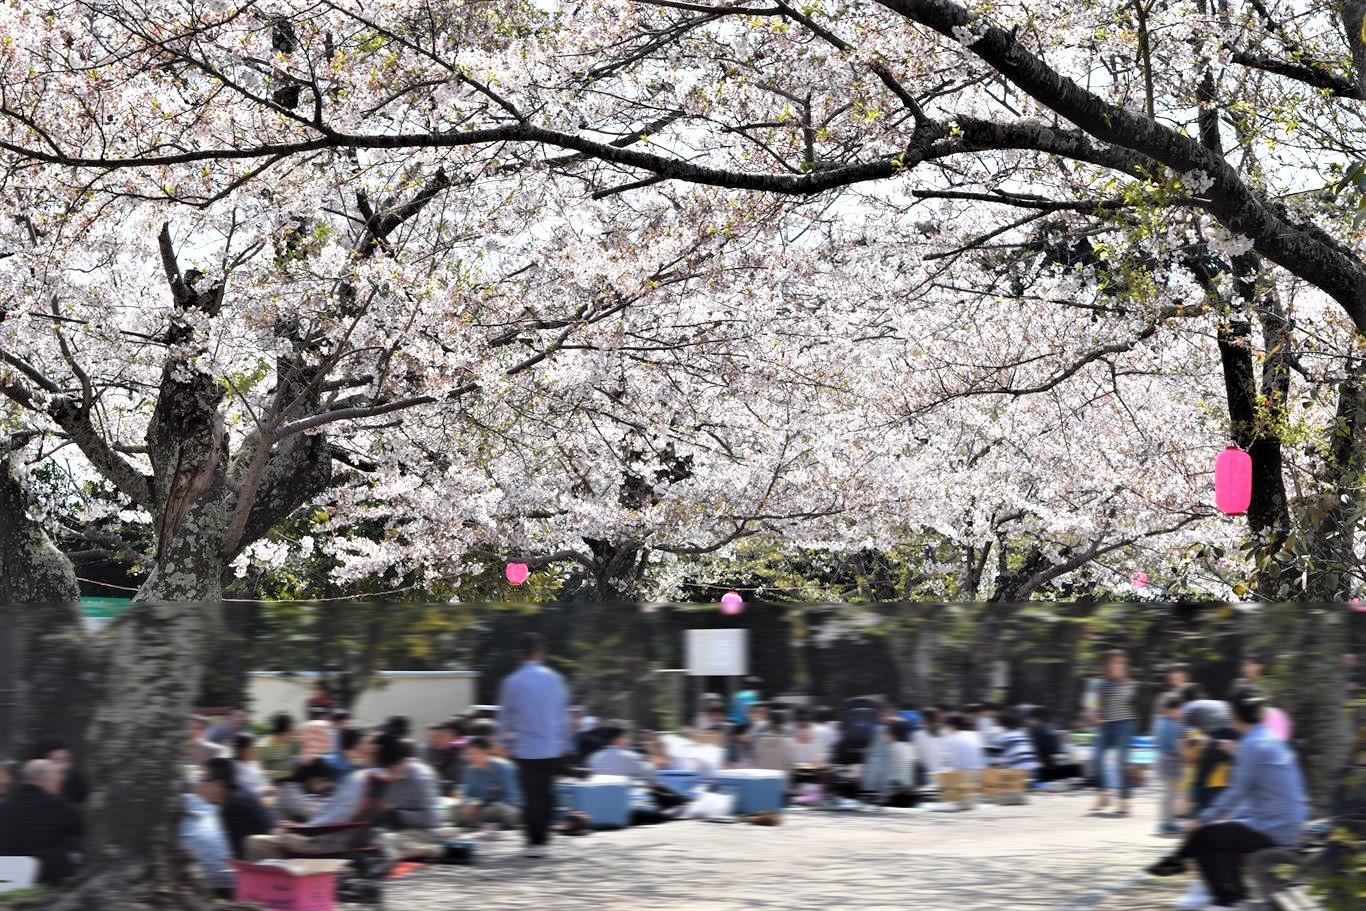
(203, 837)
(1264, 806)
(617, 758)
(533, 717)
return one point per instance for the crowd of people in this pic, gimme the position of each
(1229, 784)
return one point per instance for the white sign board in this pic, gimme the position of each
(718, 652)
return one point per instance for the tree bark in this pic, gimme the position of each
(132, 857)
(613, 675)
(914, 642)
(1315, 698)
(45, 660)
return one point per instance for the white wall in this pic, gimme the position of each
(424, 696)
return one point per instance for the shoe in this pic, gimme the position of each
(534, 852)
(1169, 830)
(1171, 865)
(1197, 897)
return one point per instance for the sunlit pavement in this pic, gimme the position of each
(1046, 855)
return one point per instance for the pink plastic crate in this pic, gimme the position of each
(295, 885)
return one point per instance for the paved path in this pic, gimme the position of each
(1047, 856)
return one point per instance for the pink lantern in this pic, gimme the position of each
(1233, 481)
(517, 573)
(1357, 605)
(1139, 579)
(732, 604)
(1278, 723)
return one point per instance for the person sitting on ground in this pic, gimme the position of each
(929, 743)
(442, 755)
(279, 750)
(706, 709)
(234, 723)
(489, 795)
(200, 750)
(983, 717)
(75, 788)
(488, 729)
(413, 796)
(302, 796)
(315, 740)
(341, 720)
(808, 752)
(827, 729)
(716, 728)
(652, 747)
(1054, 764)
(410, 811)
(318, 706)
(203, 837)
(759, 720)
(246, 759)
(963, 747)
(239, 808)
(617, 757)
(1265, 806)
(36, 821)
(898, 785)
(737, 746)
(1013, 748)
(1205, 722)
(875, 762)
(741, 701)
(354, 751)
(772, 749)
(398, 725)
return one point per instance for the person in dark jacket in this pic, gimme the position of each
(240, 810)
(36, 821)
(443, 755)
(74, 786)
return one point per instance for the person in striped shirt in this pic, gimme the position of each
(1014, 749)
(1116, 722)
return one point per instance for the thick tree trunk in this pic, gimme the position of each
(914, 641)
(45, 662)
(132, 857)
(1315, 698)
(612, 678)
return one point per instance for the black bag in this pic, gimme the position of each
(902, 797)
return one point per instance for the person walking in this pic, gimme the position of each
(533, 718)
(1115, 720)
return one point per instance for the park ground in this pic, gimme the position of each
(1048, 855)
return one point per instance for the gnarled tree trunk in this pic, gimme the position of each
(45, 661)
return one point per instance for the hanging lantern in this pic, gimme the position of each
(732, 604)
(1139, 579)
(1233, 481)
(1357, 605)
(517, 573)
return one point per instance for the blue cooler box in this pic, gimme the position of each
(755, 790)
(605, 799)
(680, 781)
